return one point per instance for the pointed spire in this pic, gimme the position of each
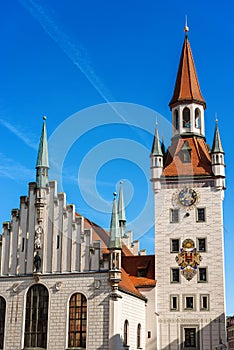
(121, 211)
(115, 237)
(42, 165)
(187, 87)
(217, 144)
(121, 208)
(156, 147)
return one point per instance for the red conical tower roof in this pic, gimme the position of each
(187, 87)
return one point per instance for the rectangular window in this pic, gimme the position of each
(201, 244)
(175, 245)
(189, 303)
(202, 274)
(175, 275)
(174, 215)
(174, 303)
(190, 337)
(204, 302)
(201, 217)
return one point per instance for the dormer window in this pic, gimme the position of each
(186, 117)
(186, 153)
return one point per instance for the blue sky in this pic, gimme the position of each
(102, 72)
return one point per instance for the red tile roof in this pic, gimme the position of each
(200, 158)
(187, 87)
(103, 235)
(133, 264)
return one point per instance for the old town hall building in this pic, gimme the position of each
(66, 283)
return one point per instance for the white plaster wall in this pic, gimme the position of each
(133, 310)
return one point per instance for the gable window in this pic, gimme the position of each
(174, 215)
(201, 217)
(186, 117)
(175, 243)
(77, 321)
(202, 274)
(175, 275)
(36, 320)
(126, 330)
(186, 152)
(201, 244)
(139, 336)
(190, 338)
(2, 320)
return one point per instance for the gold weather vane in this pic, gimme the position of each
(186, 28)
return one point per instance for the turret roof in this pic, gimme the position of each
(42, 156)
(156, 147)
(115, 236)
(187, 87)
(121, 208)
(217, 144)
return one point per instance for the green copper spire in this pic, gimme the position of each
(42, 165)
(217, 144)
(156, 148)
(121, 212)
(115, 237)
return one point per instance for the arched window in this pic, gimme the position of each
(36, 320)
(2, 320)
(176, 119)
(197, 118)
(138, 336)
(186, 117)
(77, 321)
(126, 330)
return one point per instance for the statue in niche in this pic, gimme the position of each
(37, 262)
(37, 239)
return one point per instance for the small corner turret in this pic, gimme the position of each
(156, 157)
(115, 247)
(217, 160)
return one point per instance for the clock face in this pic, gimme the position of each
(187, 197)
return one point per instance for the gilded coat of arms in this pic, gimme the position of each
(188, 259)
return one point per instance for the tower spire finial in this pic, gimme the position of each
(186, 28)
(42, 165)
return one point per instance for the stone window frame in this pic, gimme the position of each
(171, 275)
(37, 294)
(83, 305)
(185, 296)
(208, 302)
(171, 245)
(174, 219)
(198, 274)
(191, 326)
(177, 308)
(200, 238)
(197, 215)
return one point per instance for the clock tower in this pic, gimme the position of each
(189, 184)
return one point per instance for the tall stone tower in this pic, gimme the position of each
(189, 186)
